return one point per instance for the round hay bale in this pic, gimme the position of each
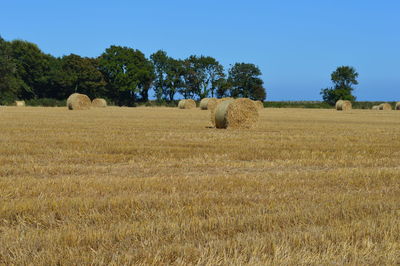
(212, 105)
(259, 105)
(239, 113)
(397, 106)
(343, 105)
(205, 102)
(99, 102)
(77, 101)
(187, 104)
(19, 103)
(385, 106)
(375, 107)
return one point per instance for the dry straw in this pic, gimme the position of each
(78, 101)
(239, 113)
(19, 103)
(212, 105)
(385, 106)
(204, 103)
(187, 104)
(343, 105)
(99, 102)
(227, 98)
(259, 105)
(397, 106)
(375, 107)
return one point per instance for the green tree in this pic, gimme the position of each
(245, 82)
(8, 81)
(81, 74)
(343, 78)
(174, 78)
(202, 75)
(32, 68)
(160, 61)
(127, 72)
(223, 88)
(193, 77)
(146, 78)
(213, 75)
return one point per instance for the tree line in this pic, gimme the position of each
(122, 75)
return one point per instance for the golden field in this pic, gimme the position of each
(159, 186)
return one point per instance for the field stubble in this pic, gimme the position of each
(157, 185)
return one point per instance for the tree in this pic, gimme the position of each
(213, 74)
(146, 78)
(127, 72)
(174, 78)
(343, 78)
(202, 75)
(160, 62)
(244, 81)
(8, 81)
(81, 74)
(193, 77)
(32, 68)
(223, 88)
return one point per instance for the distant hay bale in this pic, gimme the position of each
(187, 104)
(212, 105)
(397, 106)
(99, 102)
(343, 105)
(19, 103)
(205, 102)
(212, 102)
(77, 101)
(259, 104)
(385, 106)
(239, 113)
(375, 107)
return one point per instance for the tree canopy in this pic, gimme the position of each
(121, 74)
(244, 81)
(8, 82)
(343, 79)
(127, 71)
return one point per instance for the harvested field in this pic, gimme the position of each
(158, 186)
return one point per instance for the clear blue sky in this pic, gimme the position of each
(296, 43)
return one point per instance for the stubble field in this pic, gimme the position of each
(159, 186)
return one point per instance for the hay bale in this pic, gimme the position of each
(187, 104)
(212, 102)
(385, 106)
(259, 105)
(212, 105)
(77, 101)
(205, 102)
(397, 106)
(239, 113)
(343, 105)
(19, 103)
(375, 107)
(99, 102)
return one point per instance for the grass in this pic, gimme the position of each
(158, 186)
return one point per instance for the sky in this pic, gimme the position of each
(296, 44)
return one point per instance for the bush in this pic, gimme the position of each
(298, 104)
(46, 102)
(154, 103)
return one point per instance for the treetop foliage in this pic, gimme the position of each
(343, 78)
(120, 74)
